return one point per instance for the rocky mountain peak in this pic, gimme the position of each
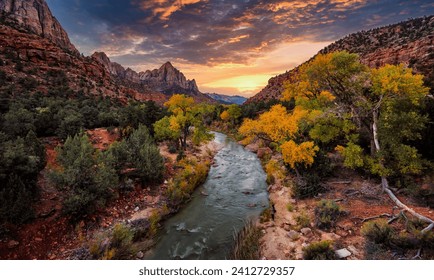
(36, 17)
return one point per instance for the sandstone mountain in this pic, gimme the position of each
(35, 16)
(167, 79)
(36, 55)
(410, 42)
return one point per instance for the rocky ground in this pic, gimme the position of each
(360, 198)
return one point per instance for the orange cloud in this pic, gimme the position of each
(163, 9)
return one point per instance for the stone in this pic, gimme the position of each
(286, 227)
(140, 255)
(293, 235)
(38, 239)
(353, 249)
(13, 244)
(262, 152)
(136, 209)
(343, 253)
(306, 231)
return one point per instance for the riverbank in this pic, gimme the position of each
(296, 226)
(51, 236)
(183, 176)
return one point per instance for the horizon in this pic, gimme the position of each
(228, 48)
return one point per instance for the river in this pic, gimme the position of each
(234, 192)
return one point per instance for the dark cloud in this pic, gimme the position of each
(216, 31)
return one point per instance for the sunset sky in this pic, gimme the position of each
(229, 47)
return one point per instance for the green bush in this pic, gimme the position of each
(86, 178)
(322, 250)
(290, 207)
(307, 186)
(21, 160)
(191, 174)
(118, 245)
(326, 214)
(379, 231)
(303, 220)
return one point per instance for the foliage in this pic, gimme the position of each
(290, 207)
(191, 174)
(186, 115)
(21, 160)
(87, 179)
(154, 220)
(299, 154)
(377, 231)
(273, 168)
(321, 250)
(326, 214)
(143, 156)
(118, 245)
(276, 125)
(303, 220)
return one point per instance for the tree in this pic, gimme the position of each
(21, 160)
(232, 114)
(18, 121)
(88, 180)
(382, 105)
(137, 156)
(186, 118)
(144, 156)
(283, 128)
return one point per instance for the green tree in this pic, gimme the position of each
(144, 156)
(88, 180)
(21, 160)
(18, 121)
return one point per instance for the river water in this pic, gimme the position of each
(234, 192)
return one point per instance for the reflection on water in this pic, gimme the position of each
(236, 192)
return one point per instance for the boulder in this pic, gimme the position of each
(343, 253)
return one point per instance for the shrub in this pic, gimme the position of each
(307, 186)
(322, 250)
(290, 207)
(378, 231)
(87, 179)
(303, 220)
(309, 183)
(326, 214)
(191, 174)
(118, 245)
(266, 215)
(154, 220)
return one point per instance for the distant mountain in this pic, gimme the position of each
(227, 99)
(410, 42)
(36, 55)
(167, 79)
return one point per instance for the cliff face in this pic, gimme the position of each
(410, 42)
(167, 79)
(35, 16)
